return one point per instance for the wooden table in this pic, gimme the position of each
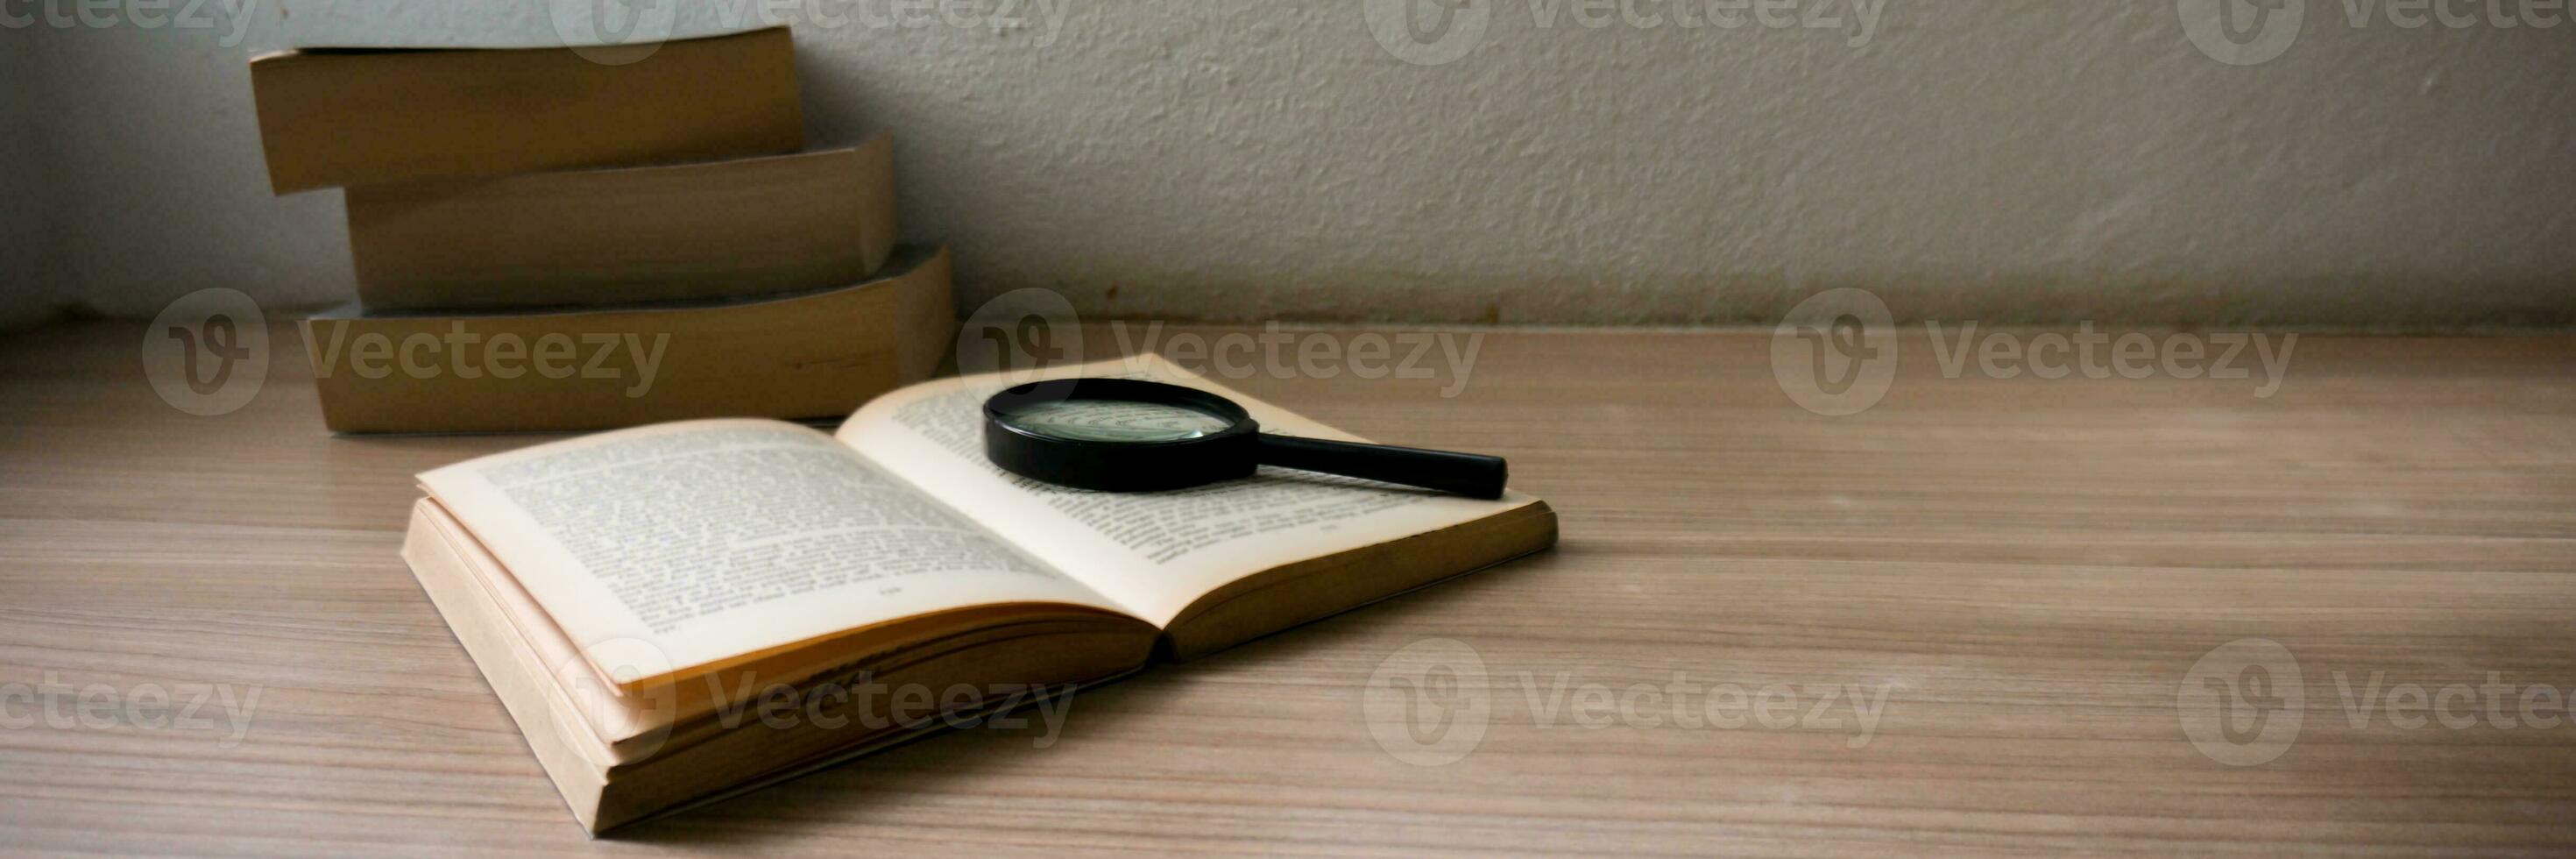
(2029, 570)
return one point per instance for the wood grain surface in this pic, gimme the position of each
(2029, 570)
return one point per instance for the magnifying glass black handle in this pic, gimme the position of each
(1466, 474)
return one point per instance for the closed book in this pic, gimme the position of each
(736, 228)
(345, 117)
(814, 354)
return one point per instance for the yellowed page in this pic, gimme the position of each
(664, 548)
(1157, 552)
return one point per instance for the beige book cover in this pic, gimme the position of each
(811, 355)
(343, 117)
(736, 228)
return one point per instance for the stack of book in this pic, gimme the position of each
(544, 242)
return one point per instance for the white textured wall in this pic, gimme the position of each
(1243, 158)
(32, 276)
(154, 179)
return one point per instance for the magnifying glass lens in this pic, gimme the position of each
(1115, 421)
(1132, 435)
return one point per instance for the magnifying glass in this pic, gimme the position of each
(1131, 435)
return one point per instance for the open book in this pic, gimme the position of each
(630, 593)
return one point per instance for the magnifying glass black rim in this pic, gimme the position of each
(1120, 466)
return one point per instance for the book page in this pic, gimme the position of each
(693, 543)
(1155, 553)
